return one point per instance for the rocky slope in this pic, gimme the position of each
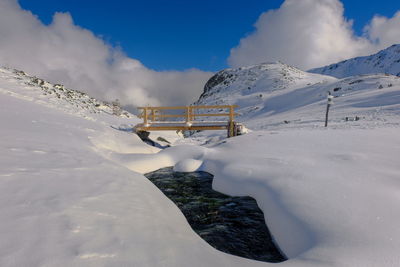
(386, 61)
(54, 95)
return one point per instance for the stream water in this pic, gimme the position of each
(234, 225)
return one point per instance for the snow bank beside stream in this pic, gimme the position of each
(329, 196)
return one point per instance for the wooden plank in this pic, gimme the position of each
(215, 106)
(170, 116)
(193, 107)
(214, 115)
(183, 123)
(192, 115)
(182, 128)
(161, 108)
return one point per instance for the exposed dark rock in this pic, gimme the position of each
(223, 76)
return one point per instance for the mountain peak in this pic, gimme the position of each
(394, 46)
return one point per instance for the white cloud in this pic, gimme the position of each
(65, 53)
(312, 33)
(384, 31)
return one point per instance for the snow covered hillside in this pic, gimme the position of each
(73, 194)
(248, 86)
(20, 84)
(386, 61)
(276, 95)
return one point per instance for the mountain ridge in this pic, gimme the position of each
(53, 95)
(386, 61)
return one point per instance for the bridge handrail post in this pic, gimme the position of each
(191, 118)
(231, 113)
(188, 114)
(145, 115)
(231, 124)
(153, 115)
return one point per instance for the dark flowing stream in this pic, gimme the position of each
(234, 225)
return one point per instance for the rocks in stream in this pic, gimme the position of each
(234, 225)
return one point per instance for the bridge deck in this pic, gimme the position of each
(183, 126)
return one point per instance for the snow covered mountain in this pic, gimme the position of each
(251, 87)
(254, 80)
(386, 61)
(273, 94)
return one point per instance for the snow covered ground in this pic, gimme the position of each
(73, 194)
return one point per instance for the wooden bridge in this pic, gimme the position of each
(184, 118)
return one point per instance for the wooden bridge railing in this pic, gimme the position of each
(156, 118)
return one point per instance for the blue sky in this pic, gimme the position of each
(181, 34)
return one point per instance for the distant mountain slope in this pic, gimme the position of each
(269, 95)
(18, 83)
(386, 61)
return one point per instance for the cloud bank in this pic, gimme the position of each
(312, 33)
(63, 52)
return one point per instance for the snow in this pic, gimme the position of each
(385, 61)
(329, 196)
(73, 194)
(188, 165)
(64, 204)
